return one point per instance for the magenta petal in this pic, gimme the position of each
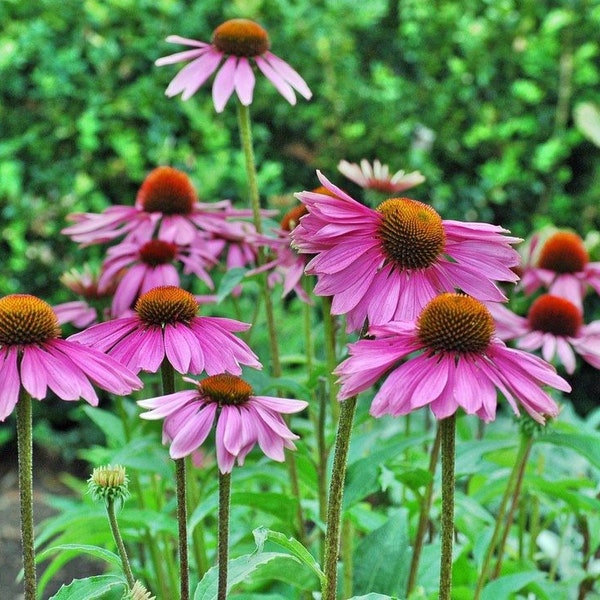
(177, 351)
(11, 382)
(230, 428)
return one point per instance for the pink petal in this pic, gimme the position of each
(224, 83)
(244, 81)
(11, 382)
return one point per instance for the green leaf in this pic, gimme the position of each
(374, 597)
(262, 534)
(585, 444)
(239, 570)
(75, 549)
(504, 587)
(109, 424)
(279, 505)
(229, 281)
(391, 541)
(90, 588)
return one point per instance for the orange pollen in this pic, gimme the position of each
(168, 191)
(564, 252)
(455, 323)
(555, 315)
(292, 218)
(166, 304)
(26, 319)
(226, 389)
(157, 252)
(241, 37)
(411, 233)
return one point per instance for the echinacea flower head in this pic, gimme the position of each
(242, 419)
(377, 176)
(386, 263)
(458, 362)
(555, 326)
(139, 266)
(562, 266)
(166, 204)
(287, 266)
(109, 482)
(236, 45)
(33, 357)
(166, 325)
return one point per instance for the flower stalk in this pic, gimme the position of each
(448, 443)
(168, 383)
(336, 494)
(223, 534)
(25, 452)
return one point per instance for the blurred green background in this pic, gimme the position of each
(496, 102)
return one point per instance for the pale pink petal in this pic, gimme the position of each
(224, 83)
(289, 74)
(177, 351)
(164, 406)
(244, 81)
(194, 432)
(282, 86)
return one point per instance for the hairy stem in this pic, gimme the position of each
(25, 451)
(223, 535)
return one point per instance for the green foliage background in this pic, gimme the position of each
(479, 95)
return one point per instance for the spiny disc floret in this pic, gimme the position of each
(411, 233)
(166, 304)
(564, 252)
(555, 315)
(168, 191)
(455, 323)
(26, 319)
(226, 389)
(241, 37)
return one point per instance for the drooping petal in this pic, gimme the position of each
(11, 381)
(224, 83)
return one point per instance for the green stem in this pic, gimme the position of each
(336, 494)
(193, 500)
(520, 459)
(223, 535)
(448, 442)
(424, 514)
(520, 466)
(245, 128)
(25, 451)
(167, 373)
(347, 554)
(114, 527)
(330, 353)
(244, 123)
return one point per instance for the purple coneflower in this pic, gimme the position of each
(166, 325)
(243, 419)
(562, 265)
(554, 325)
(458, 363)
(33, 356)
(240, 42)
(377, 177)
(166, 202)
(141, 266)
(287, 266)
(386, 264)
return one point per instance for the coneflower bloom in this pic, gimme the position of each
(386, 263)
(562, 266)
(287, 266)
(243, 420)
(140, 266)
(457, 362)
(33, 356)
(166, 204)
(239, 42)
(165, 325)
(377, 177)
(553, 325)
